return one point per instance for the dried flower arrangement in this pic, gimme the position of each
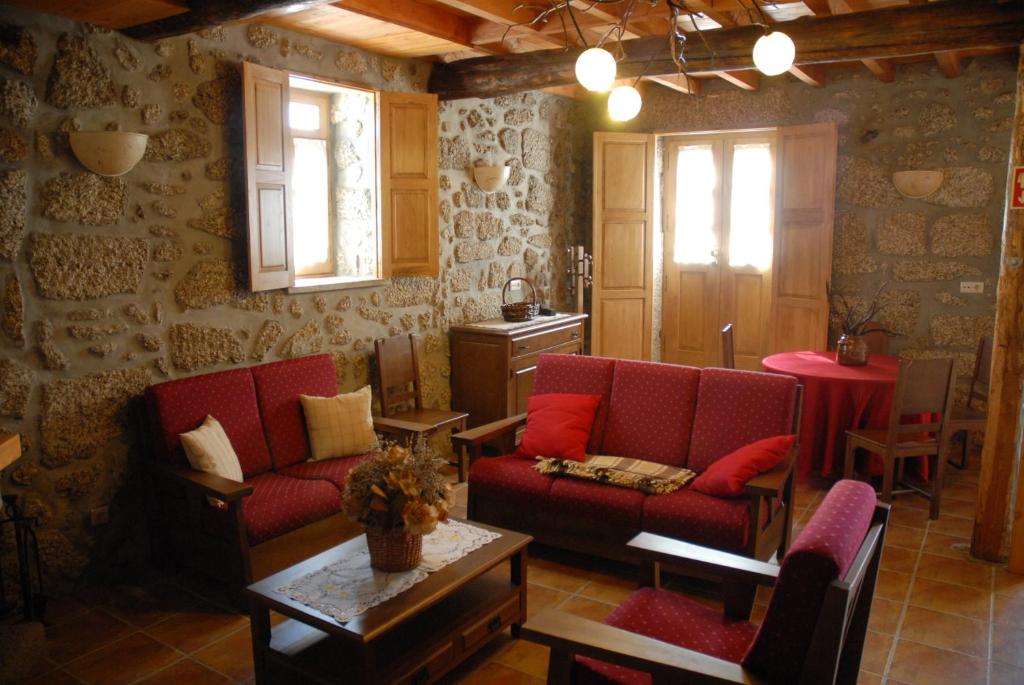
(399, 488)
(857, 320)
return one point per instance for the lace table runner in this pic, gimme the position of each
(351, 586)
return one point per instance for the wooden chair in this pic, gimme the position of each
(970, 418)
(876, 338)
(728, 350)
(813, 630)
(401, 403)
(923, 387)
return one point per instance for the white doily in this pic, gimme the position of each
(349, 587)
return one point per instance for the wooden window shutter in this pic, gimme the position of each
(408, 142)
(622, 298)
(804, 220)
(268, 160)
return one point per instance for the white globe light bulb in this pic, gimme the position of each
(774, 53)
(595, 69)
(624, 103)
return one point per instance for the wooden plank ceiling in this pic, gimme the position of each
(452, 30)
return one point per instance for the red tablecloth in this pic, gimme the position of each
(836, 399)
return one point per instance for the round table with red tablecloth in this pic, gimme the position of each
(836, 399)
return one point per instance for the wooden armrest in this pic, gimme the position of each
(769, 483)
(489, 431)
(666, 662)
(210, 484)
(687, 555)
(388, 425)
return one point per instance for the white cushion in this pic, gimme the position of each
(339, 426)
(209, 450)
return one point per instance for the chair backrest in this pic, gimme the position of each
(876, 338)
(923, 387)
(398, 373)
(816, 620)
(982, 371)
(728, 349)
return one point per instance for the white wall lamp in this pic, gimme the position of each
(917, 184)
(108, 153)
(491, 177)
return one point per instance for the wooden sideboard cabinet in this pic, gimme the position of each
(493, 362)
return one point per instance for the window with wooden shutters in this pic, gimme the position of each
(341, 181)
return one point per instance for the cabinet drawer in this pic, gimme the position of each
(530, 344)
(431, 668)
(490, 624)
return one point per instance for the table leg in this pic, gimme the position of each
(259, 625)
(368, 665)
(462, 455)
(519, 562)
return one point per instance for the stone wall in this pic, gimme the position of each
(922, 120)
(108, 285)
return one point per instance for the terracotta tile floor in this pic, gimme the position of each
(938, 617)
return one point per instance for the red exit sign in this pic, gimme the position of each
(1017, 192)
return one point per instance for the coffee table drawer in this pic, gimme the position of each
(433, 667)
(490, 624)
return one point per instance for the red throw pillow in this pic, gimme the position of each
(727, 476)
(558, 425)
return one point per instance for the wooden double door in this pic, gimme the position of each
(746, 219)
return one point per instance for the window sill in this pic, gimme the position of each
(313, 285)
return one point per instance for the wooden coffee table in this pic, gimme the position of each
(414, 638)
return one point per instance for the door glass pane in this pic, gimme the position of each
(750, 206)
(310, 219)
(696, 181)
(303, 116)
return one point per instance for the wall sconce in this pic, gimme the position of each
(917, 184)
(108, 153)
(491, 177)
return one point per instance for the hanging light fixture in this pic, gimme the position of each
(595, 69)
(774, 53)
(624, 103)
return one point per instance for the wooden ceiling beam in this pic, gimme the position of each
(949, 63)
(680, 83)
(891, 32)
(812, 74)
(883, 69)
(748, 79)
(502, 14)
(214, 12)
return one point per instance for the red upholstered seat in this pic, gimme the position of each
(735, 408)
(651, 412)
(698, 518)
(333, 470)
(595, 508)
(571, 373)
(279, 504)
(666, 616)
(508, 491)
(178, 406)
(278, 386)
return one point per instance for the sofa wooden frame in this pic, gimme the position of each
(835, 649)
(771, 492)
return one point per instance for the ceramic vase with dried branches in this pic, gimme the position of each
(855, 321)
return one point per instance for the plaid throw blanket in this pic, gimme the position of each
(646, 476)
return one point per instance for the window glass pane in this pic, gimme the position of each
(696, 181)
(310, 213)
(750, 207)
(303, 116)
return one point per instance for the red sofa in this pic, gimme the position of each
(666, 413)
(282, 494)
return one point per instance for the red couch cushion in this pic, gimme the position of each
(579, 375)
(278, 386)
(181, 405)
(672, 618)
(509, 480)
(727, 476)
(735, 408)
(279, 504)
(651, 412)
(333, 470)
(699, 518)
(821, 553)
(585, 506)
(558, 426)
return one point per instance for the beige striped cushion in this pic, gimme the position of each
(339, 426)
(208, 449)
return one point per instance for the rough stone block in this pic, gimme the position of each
(936, 118)
(538, 196)
(81, 414)
(307, 340)
(85, 198)
(465, 224)
(536, 150)
(963, 187)
(18, 101)
(932, 271)
(269, 334)
(488, 226)
(176, 145)
(216, 98)
(963, 235)
(472, 251)
(15, 386)
(194, 347)
(409, 291)
(12, 304)
(510, 245)
(209, 282)
(902, 233)
(17, 48)
(82, 267)
(959, 330)
(12, 212)
(850, 255)
(79, 80)
(453, 153)
(866, 184)
(51, 356)
(13, 148)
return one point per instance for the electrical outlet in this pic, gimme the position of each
(972, 287)
(99, 516)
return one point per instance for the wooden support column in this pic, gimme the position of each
(998, 456)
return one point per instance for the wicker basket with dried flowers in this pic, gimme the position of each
(399, 496)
